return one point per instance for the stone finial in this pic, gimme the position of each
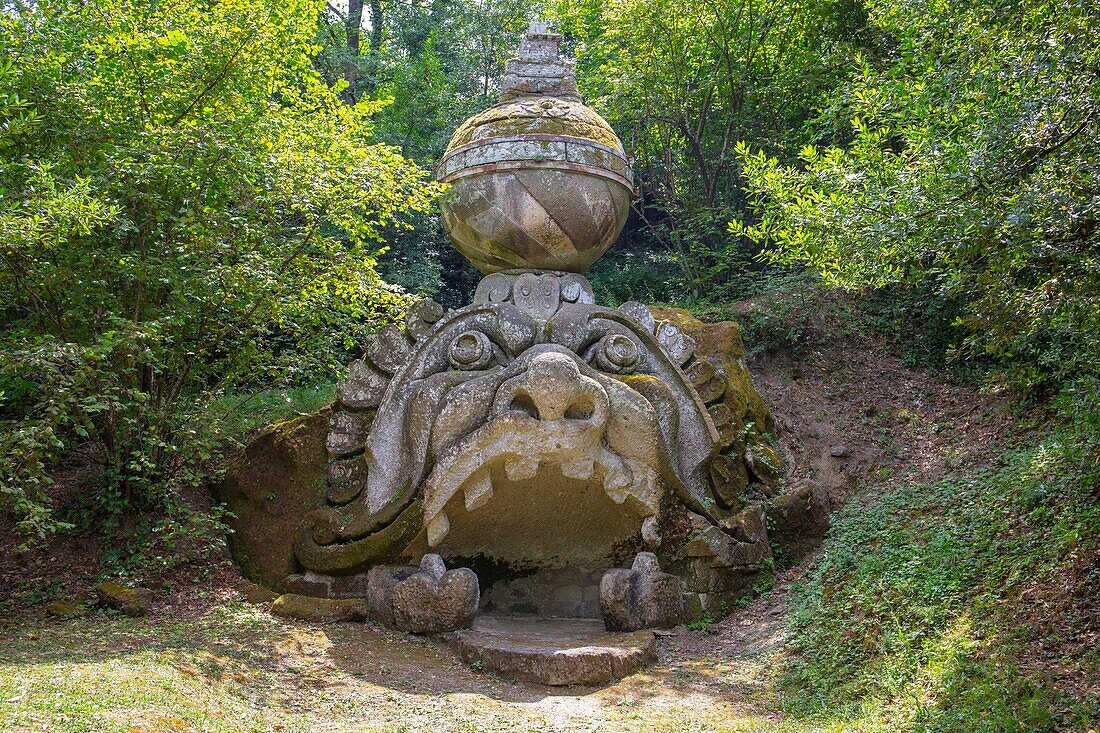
(538, 70)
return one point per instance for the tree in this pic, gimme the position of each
(434, 63)
(970, 167)
(191, 211)
(683, 82)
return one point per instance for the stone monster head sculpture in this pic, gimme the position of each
(532, 428)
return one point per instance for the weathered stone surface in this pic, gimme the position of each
(130, 601)
(763, 462)
(308, 608)
(642, 597)
(347, 434)
(388, 349)
(381, 580)
(558, 593)
(362, 387)
(435, 599)
(722, 551)
(799, 521)
(747, 525)
(422, 317)
(553, 651)
(268, 488)
(317, 585)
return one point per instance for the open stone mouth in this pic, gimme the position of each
(549, 415)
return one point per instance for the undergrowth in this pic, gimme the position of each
(911, 620)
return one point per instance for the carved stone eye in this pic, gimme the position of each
(470, 350)
(616, 354)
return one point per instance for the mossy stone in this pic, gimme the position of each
(308, 608)
(130, 601)
(66, 609)
(269, 486)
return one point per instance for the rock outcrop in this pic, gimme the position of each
(268, 487)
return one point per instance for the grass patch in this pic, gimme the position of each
(259, 409)
(911, 619)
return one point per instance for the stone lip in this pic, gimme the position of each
(554, 651)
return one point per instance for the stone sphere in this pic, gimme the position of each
(538, 183)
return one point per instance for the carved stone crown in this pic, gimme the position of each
(538, 70)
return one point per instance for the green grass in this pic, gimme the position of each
(907, 622)
(250, 411)
(112, 674)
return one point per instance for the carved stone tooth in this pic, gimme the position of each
(649, 532)
(578, 468)
(479, 490)
(438, 527)
(521, 468)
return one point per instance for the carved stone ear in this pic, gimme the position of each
(641, 313)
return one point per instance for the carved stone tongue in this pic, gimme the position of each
(538, 70)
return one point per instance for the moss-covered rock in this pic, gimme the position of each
(722, 343)
(308, 608)
(269, 488)
(744, 421)
(130, 601)
(66, 609)
(797, 523)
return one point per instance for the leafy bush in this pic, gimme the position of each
(188, 210)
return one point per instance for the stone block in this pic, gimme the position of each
(381, 580)
(308, 608)
(642, 597)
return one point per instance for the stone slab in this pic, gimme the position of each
(553, 651)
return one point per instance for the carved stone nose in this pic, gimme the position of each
(553, 388)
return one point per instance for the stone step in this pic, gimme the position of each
(553, 651)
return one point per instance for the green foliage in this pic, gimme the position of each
(904, 613)
(187, 210)
(969, 169)
(682, 82)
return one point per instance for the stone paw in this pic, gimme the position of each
(435, 599)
